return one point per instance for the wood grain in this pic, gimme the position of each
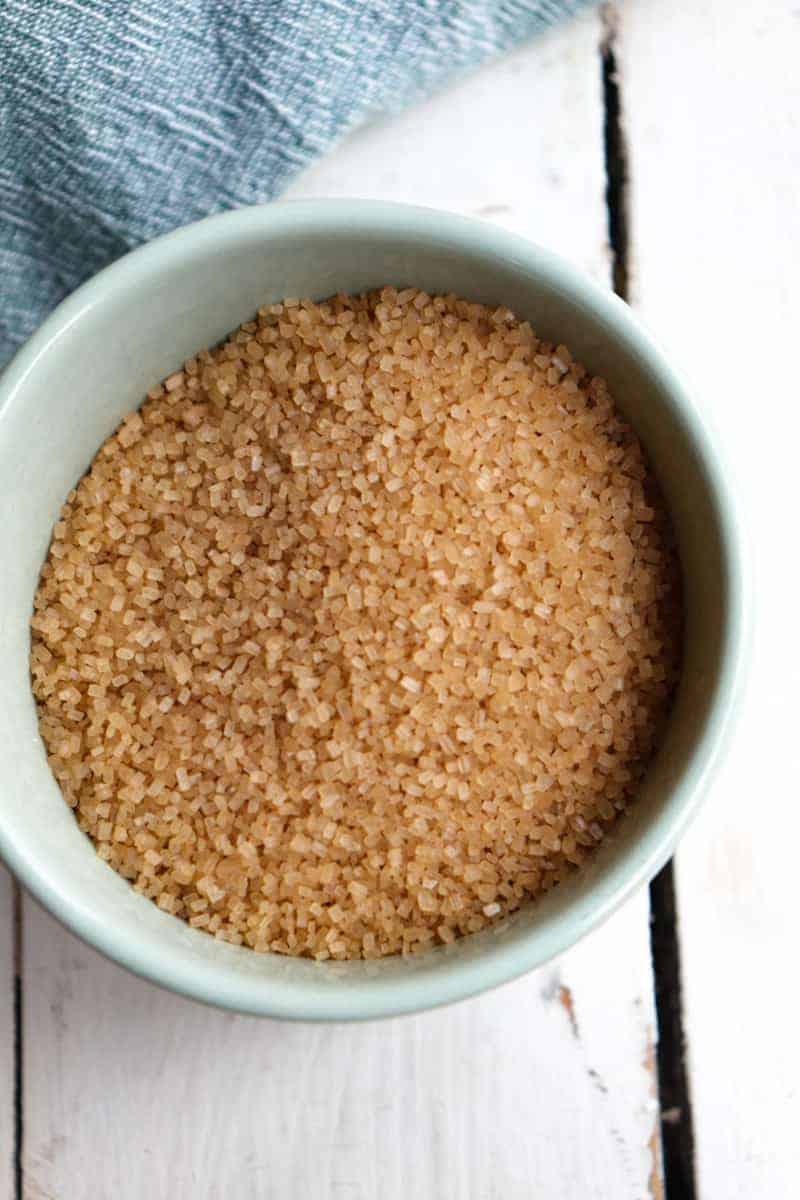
(543, 1089)
(711, 94)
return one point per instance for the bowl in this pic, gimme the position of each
(133, 324)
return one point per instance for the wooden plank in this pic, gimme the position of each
(544, 1088)
(711, 93)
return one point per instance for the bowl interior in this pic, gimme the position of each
(93, 361)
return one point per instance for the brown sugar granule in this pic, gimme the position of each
(360, 632)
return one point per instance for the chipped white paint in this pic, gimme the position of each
(712, 97)
(540, 1090)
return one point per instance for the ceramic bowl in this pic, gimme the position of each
(134, 323)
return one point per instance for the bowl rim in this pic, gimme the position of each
(500, 963)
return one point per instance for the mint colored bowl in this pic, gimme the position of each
(93, 360)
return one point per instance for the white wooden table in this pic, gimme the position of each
(549, 1087)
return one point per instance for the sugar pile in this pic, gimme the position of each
(360, 632)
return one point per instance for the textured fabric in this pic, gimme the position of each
(122, 119)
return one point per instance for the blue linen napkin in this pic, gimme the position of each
(122, 119)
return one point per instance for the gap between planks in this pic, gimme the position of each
(677, 1135)
(18, 1035)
